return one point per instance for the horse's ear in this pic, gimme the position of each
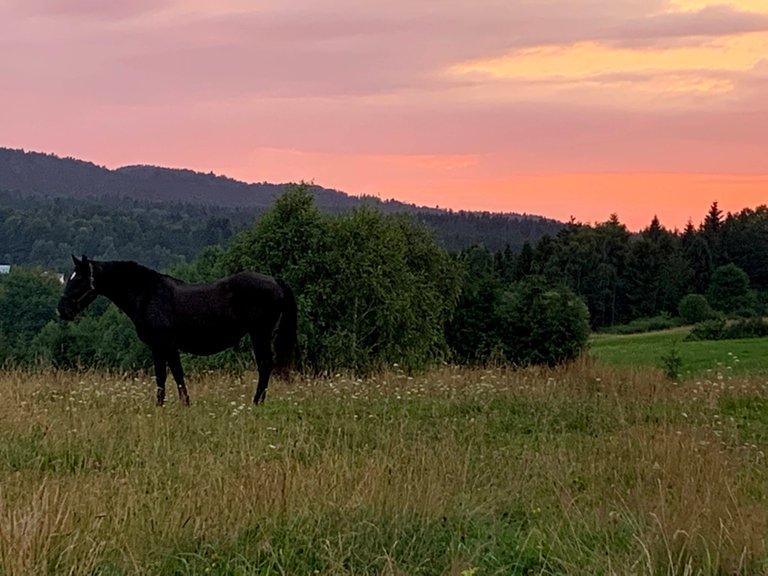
(85, 259)
(75, 260)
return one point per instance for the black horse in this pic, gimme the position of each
(171, 315)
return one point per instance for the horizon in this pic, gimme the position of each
(576, 108)
(696, 221)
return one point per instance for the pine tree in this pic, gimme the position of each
(711, 231)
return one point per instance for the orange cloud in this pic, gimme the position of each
(758, 6)
(633, 75)
(585, 59)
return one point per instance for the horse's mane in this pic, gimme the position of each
(133, 270)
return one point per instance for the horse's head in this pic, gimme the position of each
(79, 291)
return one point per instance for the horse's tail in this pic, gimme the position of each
(287, 331)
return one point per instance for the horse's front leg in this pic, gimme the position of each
(178, 375)
(161, 374)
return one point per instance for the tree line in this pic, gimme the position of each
(623, 277)
(377, 289)
(374, 290)
(630, 282)
(41, 231)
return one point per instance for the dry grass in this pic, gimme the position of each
(585, 470)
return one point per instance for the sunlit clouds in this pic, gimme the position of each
(756, 6)
(711, 67)
(563, 108)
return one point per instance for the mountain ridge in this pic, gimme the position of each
(40, 174)
(151, 182)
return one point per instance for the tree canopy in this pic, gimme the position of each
(376, 289)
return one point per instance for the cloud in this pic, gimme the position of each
(758, 6)
(351, 51)
(192, 51)
(468, 91)
(88, 9)
(327, 49)
(710, 21)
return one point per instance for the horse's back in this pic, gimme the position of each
(254, 281)
(211, 317)
(243, 285)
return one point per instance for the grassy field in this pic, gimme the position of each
(587, 470)
(703, 358)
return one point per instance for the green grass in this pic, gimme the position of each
(699, 358)
(584, 470)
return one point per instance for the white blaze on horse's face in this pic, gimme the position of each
(73, 275)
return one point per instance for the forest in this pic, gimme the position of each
(377, 289)
(652, 280)
(43, 231)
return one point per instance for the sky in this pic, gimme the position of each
(562, 108)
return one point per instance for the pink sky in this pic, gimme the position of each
(555, 107)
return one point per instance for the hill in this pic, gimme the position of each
(35, 174)
(38, 174)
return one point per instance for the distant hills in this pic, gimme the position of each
(37, 174)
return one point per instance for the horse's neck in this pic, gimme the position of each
(124, 284)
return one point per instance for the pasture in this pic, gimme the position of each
(708, 358)
(593, 469)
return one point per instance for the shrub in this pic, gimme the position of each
(27, 303)
(747, 328)
(694, 308)
(729, 290)
(661, 322)
(718, 329)
(472, 331)
(373, 289)
(672, 363)
(541, 324)
(713, 329)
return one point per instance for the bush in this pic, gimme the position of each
(713, 329)
(472, 331)
(104, 340)
(541, 324)
(694, 308)
(729, 290)
(672, 363)
(718, 329)
(638, 326)
(372, 289)
(27, 303)
(747, 328)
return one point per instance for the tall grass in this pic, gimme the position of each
(573, 471)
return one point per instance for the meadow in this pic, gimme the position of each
(597, 468)
(697, 358)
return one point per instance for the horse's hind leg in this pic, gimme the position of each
(178, 375)
(161, 374)
(262, 352)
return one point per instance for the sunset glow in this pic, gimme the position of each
(577, 108)
(585, 61)
(756, 6)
